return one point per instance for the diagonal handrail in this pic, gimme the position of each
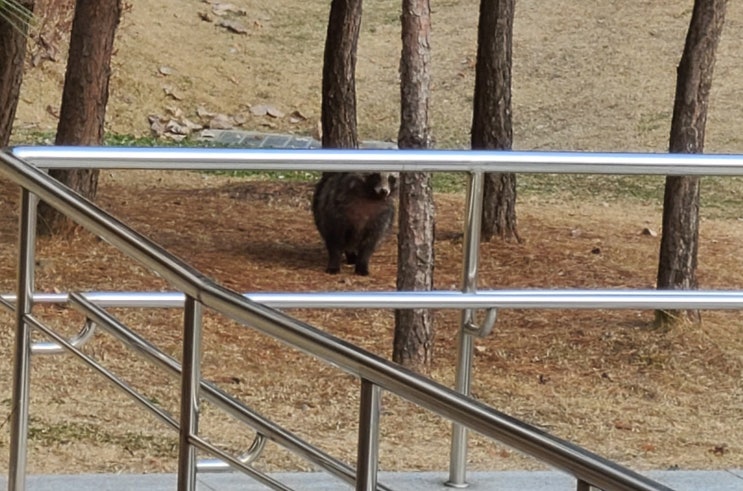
(264, 427)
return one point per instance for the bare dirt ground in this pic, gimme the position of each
(595, 77)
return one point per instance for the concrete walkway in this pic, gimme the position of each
(725, 480)
(256, 139)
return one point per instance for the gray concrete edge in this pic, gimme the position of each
(680, 480)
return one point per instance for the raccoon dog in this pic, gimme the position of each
(353, 211)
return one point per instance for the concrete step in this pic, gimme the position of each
(721, 480)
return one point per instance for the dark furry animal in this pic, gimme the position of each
(353, 211)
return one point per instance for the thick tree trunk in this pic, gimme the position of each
(491, 120)
(13, 53)
(84, 97)
(414, 333)
(338, 75)
(680, 241)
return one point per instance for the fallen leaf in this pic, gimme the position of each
(622, 425)
(165, 70)
(648, 447)
(650, 232)
(206, 17)
(719, 450)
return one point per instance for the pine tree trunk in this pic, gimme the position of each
(414, 333)
(13, 49)
(491, 120)
(84, 98)
(338, 75)
(680, 241)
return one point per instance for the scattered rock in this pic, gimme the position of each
(297, 117)
(233, 26)
(172, 93)
(221, 122)
(222, 9)
(171, 127)
(202, 112)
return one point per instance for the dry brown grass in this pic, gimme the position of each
(595, 76)
(607, 379)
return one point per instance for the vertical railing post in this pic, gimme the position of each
(190, 384)
(22, 360)
(368, 450)
(471, 245)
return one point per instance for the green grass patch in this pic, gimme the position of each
(643, 189)
(721, 197)
(64, 433)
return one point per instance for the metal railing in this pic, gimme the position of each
(374, 372)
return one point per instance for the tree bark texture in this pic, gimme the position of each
(414, 332)
(338, 75)
(491, 120)
(84, 98)
(13, 38)
(680, 240)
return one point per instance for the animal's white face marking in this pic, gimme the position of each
(382, 189)
(386, 184)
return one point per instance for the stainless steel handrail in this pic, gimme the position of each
(385, 160)
(264, 427)
(586, 466)
(475, 163)
(584, 299)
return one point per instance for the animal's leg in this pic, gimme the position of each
(371, 238)
(362, 260)
(334, 260)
